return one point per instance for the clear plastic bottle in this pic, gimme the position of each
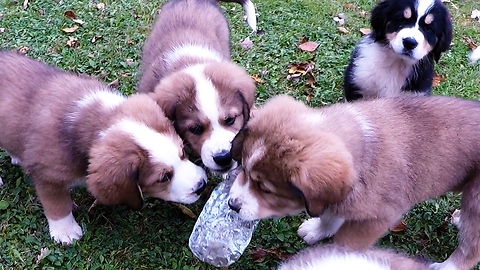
(220, 236)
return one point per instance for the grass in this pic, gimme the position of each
(157, 236)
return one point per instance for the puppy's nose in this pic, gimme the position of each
(223, 158)
(201, 187)
(409, 43)
(233, 205)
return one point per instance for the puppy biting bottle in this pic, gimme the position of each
(220, 236)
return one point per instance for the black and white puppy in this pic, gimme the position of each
(398, 56)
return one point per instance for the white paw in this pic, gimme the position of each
(446, 265)
(311, 231)
(65, 230)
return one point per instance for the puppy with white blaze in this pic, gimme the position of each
(398, 56)
(66, 130)
(187, 69)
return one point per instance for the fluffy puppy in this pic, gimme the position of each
(328, 257)
(399, 55)
(186, 64)
(359, 166)
(63, 128)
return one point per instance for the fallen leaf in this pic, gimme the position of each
(260, 254)
(311, 80)
(69, 14)
(100, 6)
(129, 62)
(365, 31)
(70, 29)
(303, 40)
(185, 210)
(299, 69)
(78, 21)
(25, 4)
(349, 6)
(23, 50)
(437, 79)
(342, 30)
(256, 78)
(72, 42)
(470, 43)
(130, 42)
(308, 46)
(44, 252)
(96, 38)
(91, 209)
(246, 43)
(114, 84)
(400, 227)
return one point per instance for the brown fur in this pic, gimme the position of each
(202, 23)
(368, 162)
(60, 143)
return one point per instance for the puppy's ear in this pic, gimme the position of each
(166, 101)
(379, 19)
(445, 39)
(113, 174)
(237, 145)
(324, 174)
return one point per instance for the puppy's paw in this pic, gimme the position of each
(446, 265)
(311, 231)
(65, 230)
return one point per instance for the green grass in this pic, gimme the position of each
(157, 236)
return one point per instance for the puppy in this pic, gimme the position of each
(359, 166)
(329, 257)
(63, 128)
(399, 55)
(186, 64)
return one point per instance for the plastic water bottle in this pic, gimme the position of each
(220, 236)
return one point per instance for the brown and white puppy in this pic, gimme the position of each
(186, 64)
(359, 167)
(63, 128)
(331, 257)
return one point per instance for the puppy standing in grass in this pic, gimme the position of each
(359, 166)
(63, 128)
(407, 38)
(186, 64)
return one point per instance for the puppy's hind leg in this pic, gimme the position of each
(57, 205)
(467, 254)
(315, 229)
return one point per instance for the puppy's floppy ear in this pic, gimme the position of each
(379, 19)
(237, 144)
(113, 173)
(445, 38)
(166, 101)
(324, 174)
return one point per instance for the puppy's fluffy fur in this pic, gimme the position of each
(62, 128)
(329, 257)
(360, 166)
(399, 55)
(186, 64)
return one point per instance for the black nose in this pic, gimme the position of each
(223, 159)
(233, 206)
(409, 43)
(201, 187)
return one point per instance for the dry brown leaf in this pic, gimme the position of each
(23, 50)
(72, 42)
(400, 227)
(69, 14)
(256, 78)
(246, 43)
(349, 6)
(470, 43)
(114, 84)
(70, 29)
(308, 46)
(311, 80)
(260, 254)
(343, 30)
(437, 79)
(365, 31)
(185, 210)
(296, 70)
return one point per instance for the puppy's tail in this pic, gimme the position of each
(249, 8)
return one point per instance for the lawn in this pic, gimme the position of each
(108, 45)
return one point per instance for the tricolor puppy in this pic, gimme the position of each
(399, 55)
(359, 166)
(186, 64)
(63, 128)
(331, 257)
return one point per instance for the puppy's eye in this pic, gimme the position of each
(229, 121)
(428, 27)
(197, 130)
(263, 188)
(166, 177)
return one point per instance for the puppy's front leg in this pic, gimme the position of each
(57, 205)
(315, 229)
(360, 235)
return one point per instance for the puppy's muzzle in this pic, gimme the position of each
(223, 158)
(409, 43)
(234, 205)
(201, 187)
